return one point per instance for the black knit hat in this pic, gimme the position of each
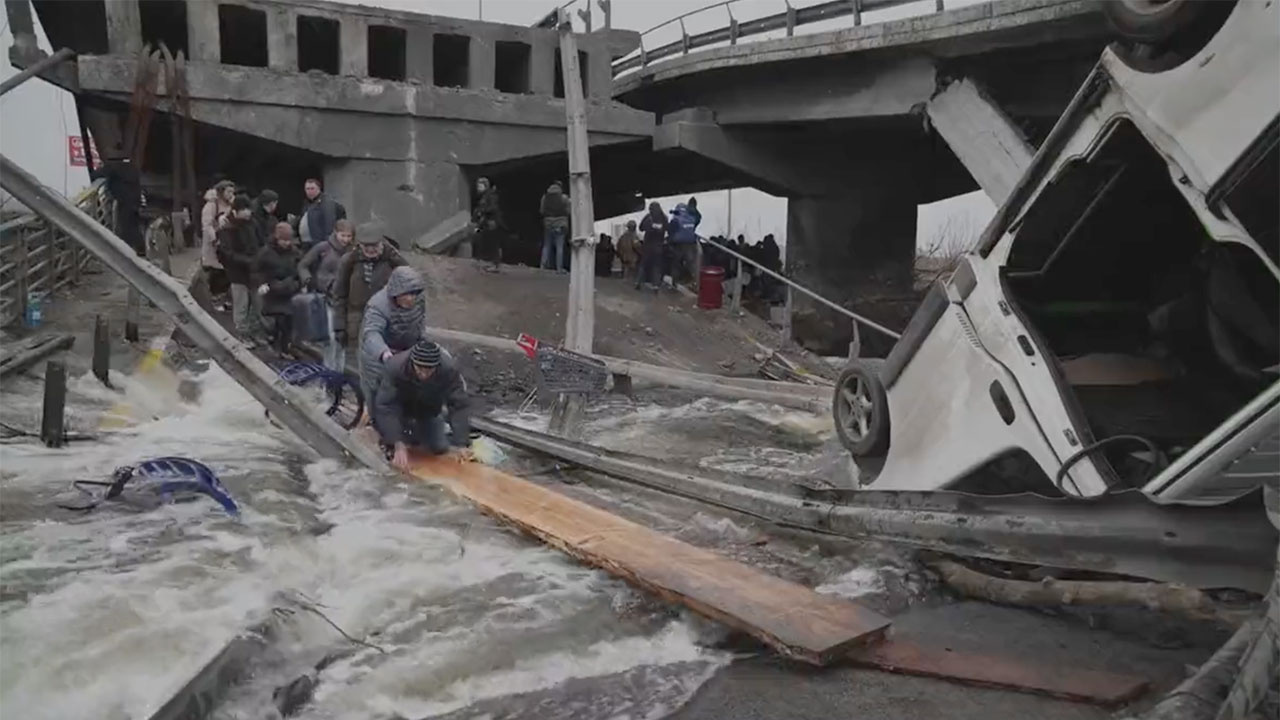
(425, 354)
(241, 202)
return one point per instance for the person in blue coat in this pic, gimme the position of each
(682, 237)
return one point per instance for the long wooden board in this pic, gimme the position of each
(1044, 677)
(790, 618)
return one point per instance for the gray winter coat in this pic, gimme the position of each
(387, 327)
(319, 266)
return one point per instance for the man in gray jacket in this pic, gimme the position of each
(393, 321)
(319, 270)
(416, 387)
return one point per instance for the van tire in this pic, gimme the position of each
(1152, 21)
(860, 408)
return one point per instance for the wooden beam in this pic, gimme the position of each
(791, 618)
(898, 655)
(32, 350)
(815, 398)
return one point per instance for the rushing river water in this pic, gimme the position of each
(106, 614)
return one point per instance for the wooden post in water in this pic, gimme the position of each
(566, 414)
(52, 422)
(102, 350)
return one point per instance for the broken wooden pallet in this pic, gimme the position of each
(791, 618)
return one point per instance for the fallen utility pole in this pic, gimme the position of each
(566, 415)
(278, 397)
(1126, 533)
(815, 398)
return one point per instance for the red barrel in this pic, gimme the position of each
(710, 287)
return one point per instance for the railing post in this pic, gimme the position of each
(857, 11)
(939, 5)
(733, 26)
(20, 268)
(737, 287)
(53, 417)
(74, 248)
(51, 262)
(684, 38)
(606, 7)
(586, 17)
(102, 350)
(791, 20)
(644, 56)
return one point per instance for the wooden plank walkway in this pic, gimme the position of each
(791, 618)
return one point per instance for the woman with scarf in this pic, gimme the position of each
(394, 320)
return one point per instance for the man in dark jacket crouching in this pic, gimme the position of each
(417, 385)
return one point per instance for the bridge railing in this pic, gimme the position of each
(37, 258)
(787, 19)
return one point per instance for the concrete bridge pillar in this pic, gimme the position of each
(419, 62)
(855, 248)
(407, 197)
(124, 26)
(282, 39)
(354, 47)
(203, 34)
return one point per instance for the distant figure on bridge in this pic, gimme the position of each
(319, 214)
(362, 273)
(628, 249)
(238, 248)
(654, 227)
(486, 216)
(682, 236)
(394, 320)
(276, 271)
(555, 210)
(409, 410)
(217, 202)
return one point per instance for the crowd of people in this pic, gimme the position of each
(374, 307)
(659, 246)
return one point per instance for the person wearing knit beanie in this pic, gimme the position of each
(419, 393)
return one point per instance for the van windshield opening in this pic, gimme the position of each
(1157, 329)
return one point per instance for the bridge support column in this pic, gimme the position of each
(408, 198)
(203, 34)
(856, 249)
(354, 47)
(282, 39)
(124, 27)
(986, 142)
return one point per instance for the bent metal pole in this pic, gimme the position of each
(843, 310)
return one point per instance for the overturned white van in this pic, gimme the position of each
(1119, 324)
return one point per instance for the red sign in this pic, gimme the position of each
(75, 151)
(528, 344)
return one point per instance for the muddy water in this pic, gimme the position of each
(106, 614)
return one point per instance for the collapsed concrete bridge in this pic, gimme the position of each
(398, 112)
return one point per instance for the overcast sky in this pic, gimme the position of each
(36, 118)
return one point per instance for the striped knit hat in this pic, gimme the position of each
(425, 354)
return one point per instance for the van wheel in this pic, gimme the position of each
(1152, 21)
(861, 409)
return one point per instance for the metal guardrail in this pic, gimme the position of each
(788, 19)
(37, 258)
